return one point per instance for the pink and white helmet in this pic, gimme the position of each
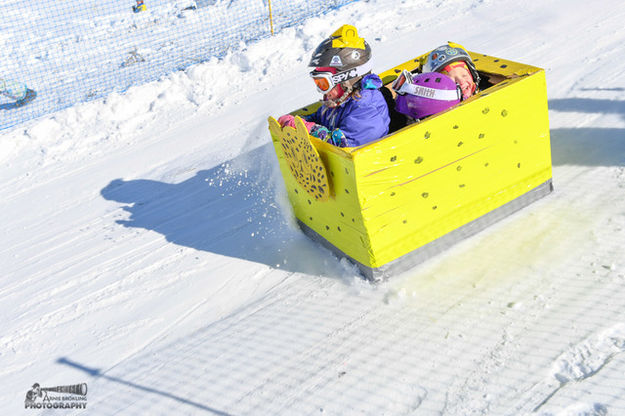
(425, 94)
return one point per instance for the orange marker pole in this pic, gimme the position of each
(270, 17)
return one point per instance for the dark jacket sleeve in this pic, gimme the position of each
(314, 117)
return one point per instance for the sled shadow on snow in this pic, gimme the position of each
(237, 208)
(234, 209)
(588, 146)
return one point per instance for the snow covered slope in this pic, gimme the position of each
(148, 249)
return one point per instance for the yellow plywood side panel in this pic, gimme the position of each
(434, 228)
(338, 218)
(302, 159)
(503, 67)
(451, 137)
(475, 152)
(403, 231)
(416, 152)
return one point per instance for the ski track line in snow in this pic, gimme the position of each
(82, 264)
(394, 324)
(113, 293)
(145, 347)
(79, 257)
(355, 329)
(291, 300)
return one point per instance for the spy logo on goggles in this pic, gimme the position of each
(345, 75)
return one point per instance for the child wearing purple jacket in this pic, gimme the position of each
(354, 111)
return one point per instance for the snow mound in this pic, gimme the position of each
(588, 357)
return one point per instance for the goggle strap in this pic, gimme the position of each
(364, 69)
(353, 73)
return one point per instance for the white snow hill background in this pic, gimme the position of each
(148, 249)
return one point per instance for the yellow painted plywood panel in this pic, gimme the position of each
(466, 156)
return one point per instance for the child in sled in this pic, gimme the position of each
(422, 95)
(353, 112)
(453, 60)
(448, 77)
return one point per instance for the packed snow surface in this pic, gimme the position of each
(148, 249)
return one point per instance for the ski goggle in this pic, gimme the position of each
(326, 80)
(404, 85)
(323, 80)
(403, 78)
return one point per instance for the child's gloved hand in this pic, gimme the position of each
(289, 120)
(337, 138)
(320, 132)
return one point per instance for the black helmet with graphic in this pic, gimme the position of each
(345, 51)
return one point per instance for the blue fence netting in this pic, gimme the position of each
(54, 54)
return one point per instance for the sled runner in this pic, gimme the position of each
(396, 202)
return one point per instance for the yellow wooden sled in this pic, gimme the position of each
(395, 202)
